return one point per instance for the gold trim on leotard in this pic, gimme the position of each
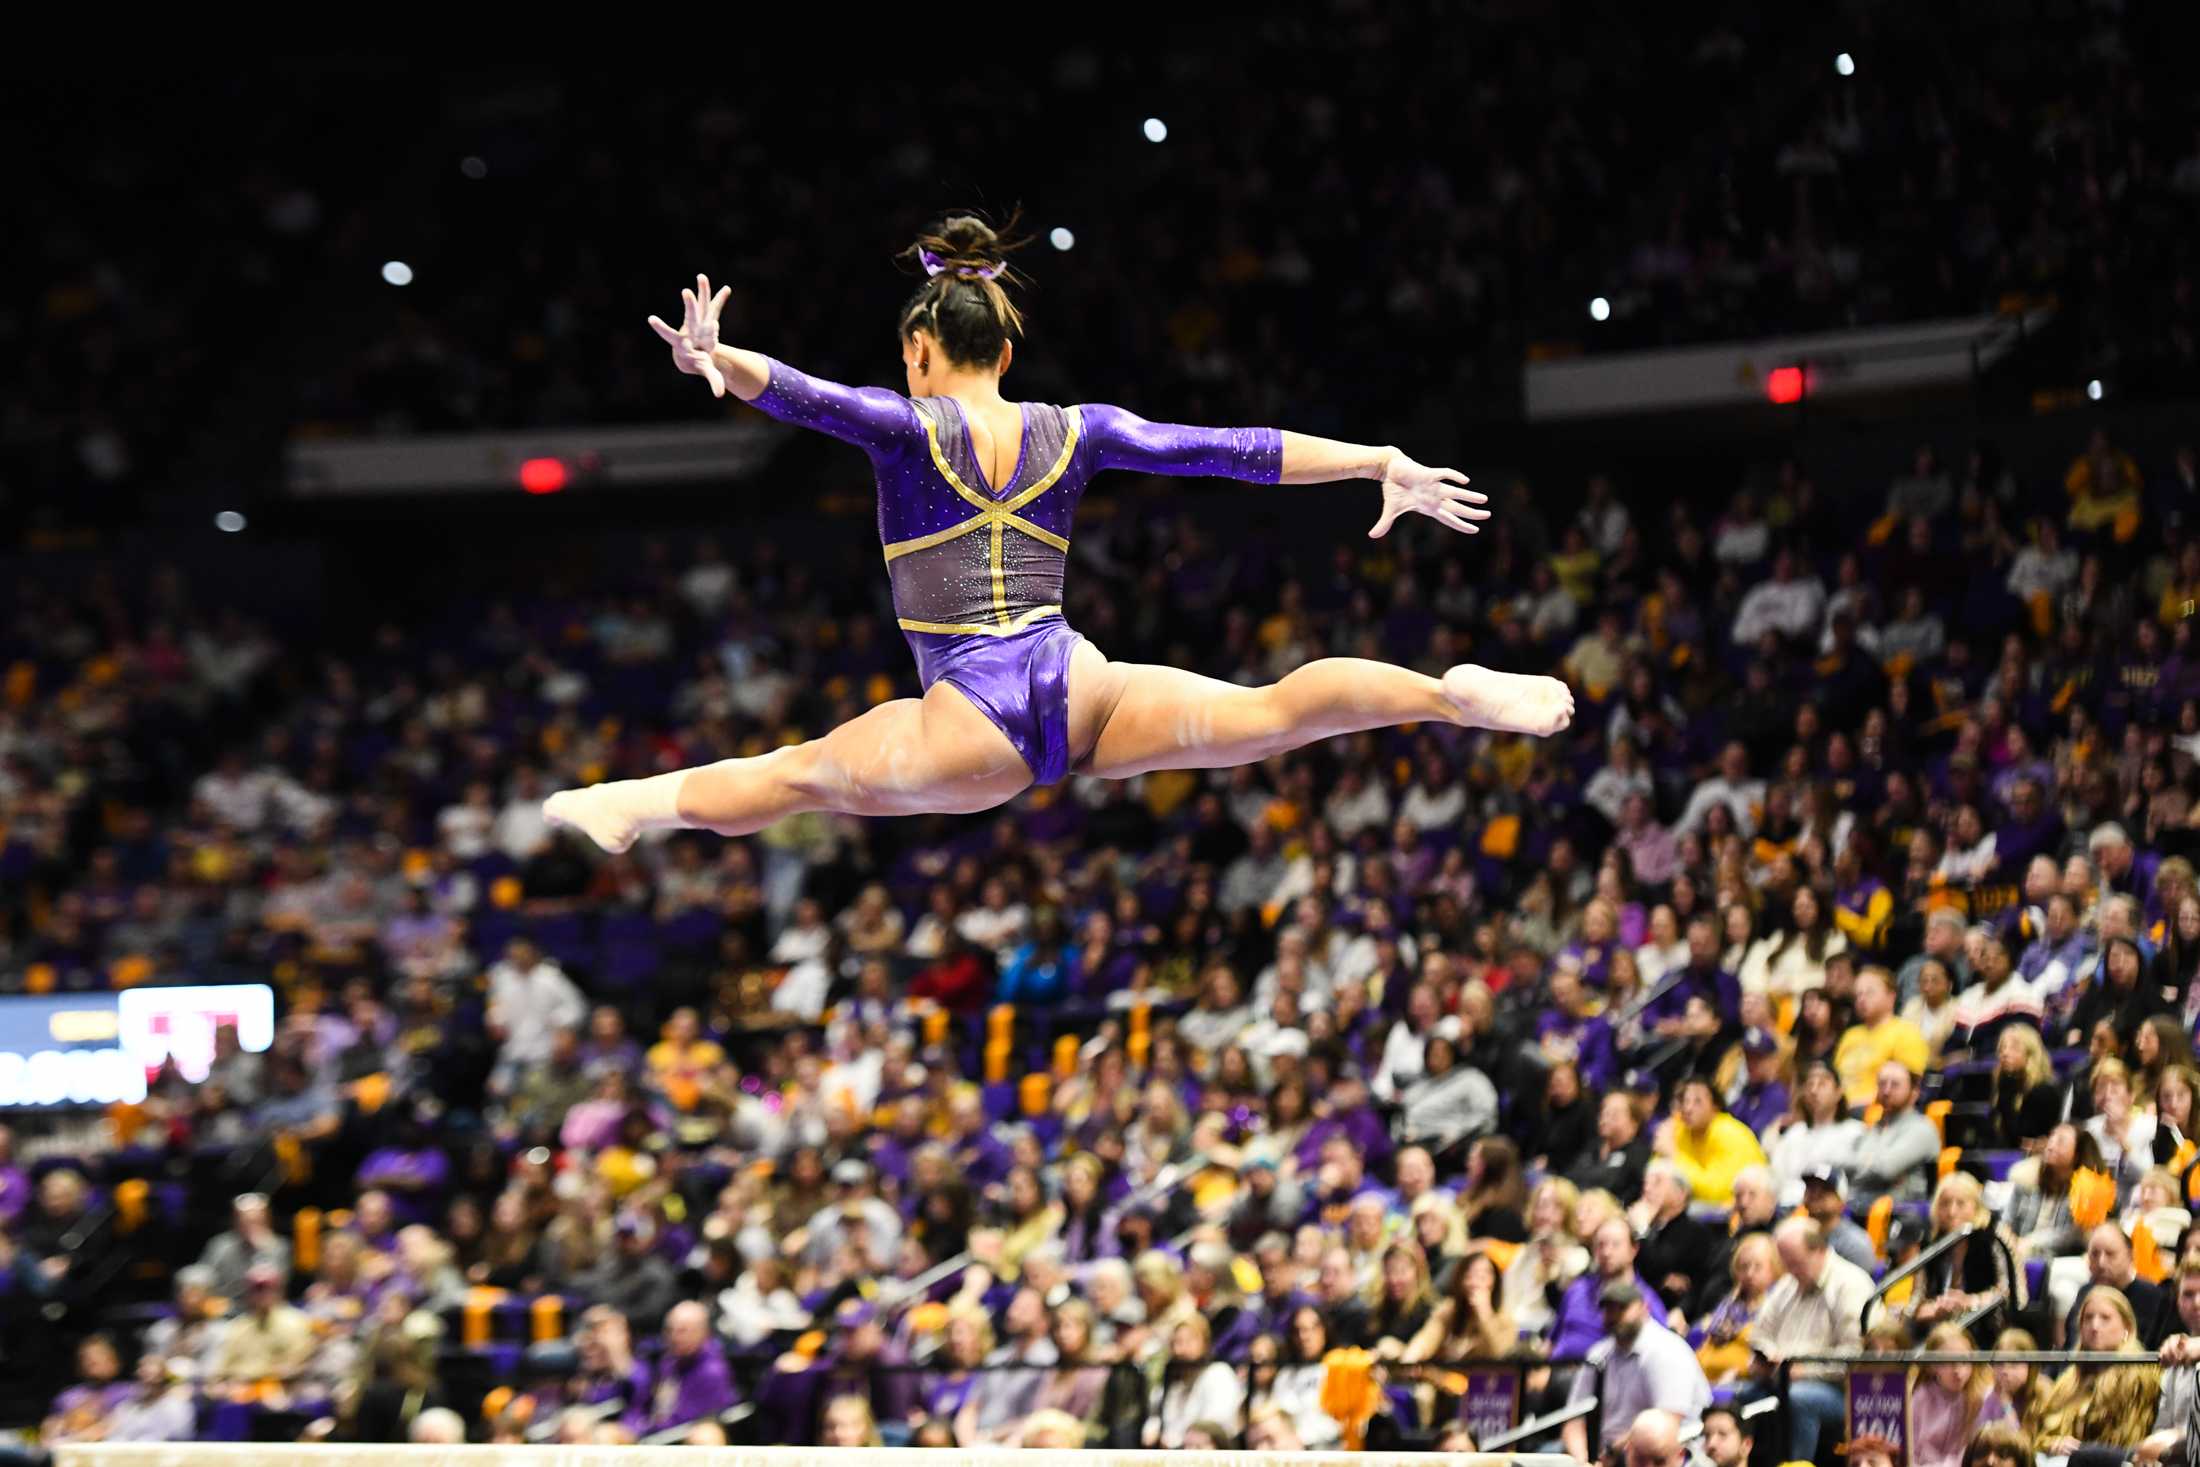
(995, 516)
(980, 628)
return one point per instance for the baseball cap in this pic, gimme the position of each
(855, 1314)
(850, 1173)
(1827, 1176)
(1643, 1082)
(1756, 1041)
(1617, 1293)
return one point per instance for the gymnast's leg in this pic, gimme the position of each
(1152, 717)
(932, 755)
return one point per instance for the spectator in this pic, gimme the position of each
(1877, 1039)
(268, 1340)
(1816, 1310)
(1637, 1366)
(1579, 1322)
(1676, 1252)
(1617, 1161)
(1727, 1324)
(1894, 1156)
(2102, 1405)
(2152, 1313)
(1706, 1145)
(530, 1000)
(1825, 1202)
(690, 1382)
(1193, 1388)
(251, 1239)
(1727, 1439)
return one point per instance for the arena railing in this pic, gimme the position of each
(1932, 1251)
(227, 1454)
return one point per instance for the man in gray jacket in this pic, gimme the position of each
(251, 1239)
(1894, 1158)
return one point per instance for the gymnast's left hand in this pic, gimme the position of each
(1441, 494)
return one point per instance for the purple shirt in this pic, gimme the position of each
(1580, 1321)
(683, 1390)
(1590, 1040)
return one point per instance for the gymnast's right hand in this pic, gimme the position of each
(697, 338)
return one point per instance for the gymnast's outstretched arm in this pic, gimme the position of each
(874, 420)
(1124, 440)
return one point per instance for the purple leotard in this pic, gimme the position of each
(977, 573)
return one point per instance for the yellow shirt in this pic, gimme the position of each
(1861, 1053)
(1711, 1159)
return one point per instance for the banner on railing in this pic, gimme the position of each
(1879, 1405)
(1490, 1405)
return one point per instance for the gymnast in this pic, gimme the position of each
(975, 498)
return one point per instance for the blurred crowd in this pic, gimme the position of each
(1857, 906)
(1342, 218)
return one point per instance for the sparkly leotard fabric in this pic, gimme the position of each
(977, 572)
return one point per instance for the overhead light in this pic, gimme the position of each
(1845, 64)
(397, 272)
(2093, 389)
(1600, 309)
(1156, 130)
(1061, 238)
(229, 522)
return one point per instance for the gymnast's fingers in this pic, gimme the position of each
(716, 378)
(1445, 516)
(672, 337)
(1382, 526)
(718, 302)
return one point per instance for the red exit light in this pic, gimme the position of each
(543, 475)
(1784, 385)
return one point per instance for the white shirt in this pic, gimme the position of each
(520, 829)
(1801, 1149)
(1367, 810)
(1825, 1318)
(1744, 797)
(1427, 810)
(1608, 789)
(1657, 1372)
(531, 1006)
(1790, 608)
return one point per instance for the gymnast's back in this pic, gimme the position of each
(968, 557)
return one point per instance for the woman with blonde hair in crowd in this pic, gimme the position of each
(1402, 1301)
(2102, 1405)
(1724, 1353)
(1593, 1209)
(1949, 1402)
(2124, 1133)
(1075, 1384)
(848, 1422)
(1192, 1388)
(1437, 1227)
(2022, 1385)
(2157, 1206)
(1159, 1280)
(2027, 1103)
(1551, 1259)
(1974, 1271)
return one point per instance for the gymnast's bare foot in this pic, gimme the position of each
(597, 812)
(1509, 702)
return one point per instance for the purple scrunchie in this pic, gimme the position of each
(933, 265)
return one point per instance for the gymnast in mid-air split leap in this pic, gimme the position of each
(975, 498)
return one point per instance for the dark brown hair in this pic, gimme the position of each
(971, 315)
